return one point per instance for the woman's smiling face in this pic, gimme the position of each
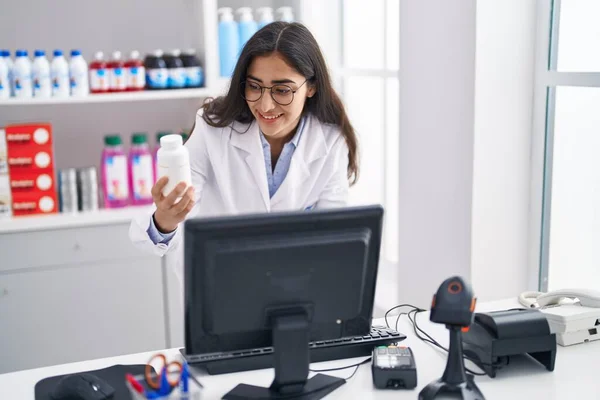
(276, 121)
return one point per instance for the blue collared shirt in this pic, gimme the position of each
(275, 176)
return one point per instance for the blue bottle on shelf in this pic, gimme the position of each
(247, 25)
(228, 41)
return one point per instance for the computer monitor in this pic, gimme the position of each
(281, 280)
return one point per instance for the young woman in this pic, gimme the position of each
(279, 140)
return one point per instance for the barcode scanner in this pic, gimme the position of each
(453, 305)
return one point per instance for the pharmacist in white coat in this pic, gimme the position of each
(279, 140)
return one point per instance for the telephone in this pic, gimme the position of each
(573, 314)
(585, 297)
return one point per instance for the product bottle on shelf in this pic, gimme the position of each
(116, 73)
(194, 75)
(285, 14)
(99, 82)
(228, 41)
(135, 73)
(157, 74)
(247, 26)
(176, 70)
(4, 80)
(78, 71)
(264, 15)
(22, 75)
(10, 65)
(42, 86)
(115, 185)
(59, 74)
(141, 170)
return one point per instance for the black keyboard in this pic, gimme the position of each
(335, 349)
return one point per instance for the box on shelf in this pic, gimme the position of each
(33, 203)
(5, 197)
(3, 153)
(30, 161)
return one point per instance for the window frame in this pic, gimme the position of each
(547, 80)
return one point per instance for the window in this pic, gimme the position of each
(567, 145)
(369, 86)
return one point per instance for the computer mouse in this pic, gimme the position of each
(82, 386)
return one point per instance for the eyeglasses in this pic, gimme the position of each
(281, 94)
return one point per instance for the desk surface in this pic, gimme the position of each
(574, 376)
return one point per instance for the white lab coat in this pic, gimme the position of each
(229, 176)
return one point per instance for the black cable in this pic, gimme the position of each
(394, 308)
(357, 365)
(341, 368)
(425, 337)
(430, 340)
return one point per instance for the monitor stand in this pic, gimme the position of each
(291, 361)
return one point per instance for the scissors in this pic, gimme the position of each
(173, 369)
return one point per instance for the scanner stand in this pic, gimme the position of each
(454, 381)
(291, 362)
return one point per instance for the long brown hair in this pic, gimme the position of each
(299, 47)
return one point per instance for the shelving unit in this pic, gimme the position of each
(147, 95)
(62, 221)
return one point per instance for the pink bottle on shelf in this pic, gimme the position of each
(141, 170)
(115, 185)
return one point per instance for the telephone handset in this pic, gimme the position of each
(585, 297)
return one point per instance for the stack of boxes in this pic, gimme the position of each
(30, 161)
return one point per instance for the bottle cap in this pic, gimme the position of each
(265, 13)
(4, 53)
(285, 13)
(99, 55)
(161, 134)
(135, 55)
(116, 55)
(39, 53)
(139, 138)
(190, 52)
(57, 53)
(113, 140)
(175, 52)
(75, 53)
(21, 53)
(158, 53)
(245, 14)
(170, 142)
(226, 14)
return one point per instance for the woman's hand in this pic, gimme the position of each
(170, 212)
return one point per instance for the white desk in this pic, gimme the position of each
(575, 375)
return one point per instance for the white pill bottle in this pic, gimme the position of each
(173, 161)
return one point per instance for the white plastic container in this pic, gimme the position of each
(11, 65)
(285, 14)
(22, 75)
(42, 86)
(173, 161)
(4, 79)
(246, 26)
(264, 16)
(78, 72)
(59, 73)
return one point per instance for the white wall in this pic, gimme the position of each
(437, 86)
(466, 98)
(503, 122)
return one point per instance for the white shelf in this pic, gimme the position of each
(62, 221)
(145, 95)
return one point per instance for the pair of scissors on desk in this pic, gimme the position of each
(160, 380)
